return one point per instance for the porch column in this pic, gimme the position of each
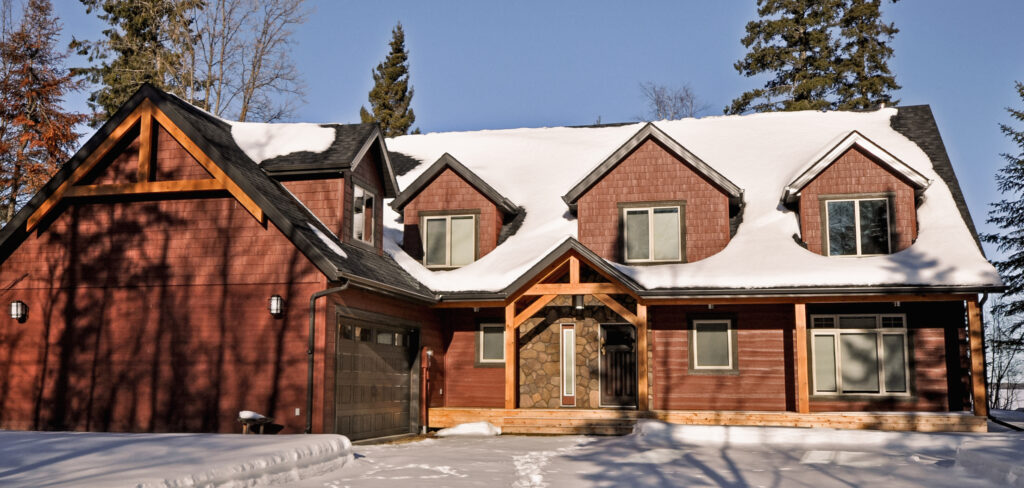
(511, 356)
(800, 318)
(643, 388)
(976, 338)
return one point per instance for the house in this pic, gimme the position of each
(807, 269)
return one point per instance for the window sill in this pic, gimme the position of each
(713, 372)
(853, 397)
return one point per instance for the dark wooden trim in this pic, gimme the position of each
(681, 204)
(475, 212)
(691, 339)
(823, 214)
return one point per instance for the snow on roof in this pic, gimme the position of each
(263, 141)
(760, 153)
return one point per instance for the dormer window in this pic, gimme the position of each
(857, 226)
(449, 241)
(362, 214)
(653, 233)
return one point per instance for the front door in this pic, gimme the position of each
(618, 365)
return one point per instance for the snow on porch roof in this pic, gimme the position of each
(758, 153)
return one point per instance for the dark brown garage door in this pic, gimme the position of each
(373, 380)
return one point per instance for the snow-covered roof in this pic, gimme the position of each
(761, 154)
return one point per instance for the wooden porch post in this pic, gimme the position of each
(643, 388)
(800, 316)
(511, 356)
(976, 338)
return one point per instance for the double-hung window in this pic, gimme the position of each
(362, 214)
(653, 233)
(857, 227)
(449, 241)
(859, 354)
(491, 344)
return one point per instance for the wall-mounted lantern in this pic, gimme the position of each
(19, 311)
(276, 305)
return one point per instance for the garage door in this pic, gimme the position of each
(373, 380)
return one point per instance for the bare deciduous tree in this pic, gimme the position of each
(1003, 359)
(666, 103)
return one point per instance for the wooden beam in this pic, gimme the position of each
(574, 269)
(530, 310)
(471, 304)
(544, 274)
(90, 162)
(800, 319)
(642, 366)
(574, 289)
(617, 308)
(511, 356)
(149, 187)
(976, 338)
(747, 300)
(146, 145)
(207, 163)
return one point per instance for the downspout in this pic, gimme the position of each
(309, 351)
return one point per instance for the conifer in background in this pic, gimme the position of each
(866, 78)
(391, 93)
(36, 134)
(1008, 215)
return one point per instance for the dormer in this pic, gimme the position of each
(856, 199)
(344, 185)
(452, 217)
(652, 201)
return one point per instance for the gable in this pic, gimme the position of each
(445, 165)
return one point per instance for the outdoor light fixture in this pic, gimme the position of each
(577, 302)
(276, 305)
(19, 310)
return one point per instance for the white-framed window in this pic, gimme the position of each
(362, 214)
(568, 354)
(491, 346)
(713, 344)
(449, 241)
(860, 354)
(652, 234)
(857, 227)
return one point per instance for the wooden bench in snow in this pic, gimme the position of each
(250, 419)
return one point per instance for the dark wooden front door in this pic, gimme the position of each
(618, 365)
(374, 366)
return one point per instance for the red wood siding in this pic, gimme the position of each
(323, 198)
(121, 166)
(468, 385)
(652, 173)
(855, 172)
(762, 334)
(450, 192)
(174, 162)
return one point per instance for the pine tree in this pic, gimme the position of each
(146, 41)
(391, 93)
(823, 54)
(36, 134)
(867, 80)
(1008, 215)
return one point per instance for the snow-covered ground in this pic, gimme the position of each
(656, 455)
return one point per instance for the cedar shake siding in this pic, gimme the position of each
(653, 174)
(449, 192)
(323, 198)
(173, 161)
(855, 172)
(468, 384)
(366, 175)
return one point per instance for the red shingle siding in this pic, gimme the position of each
(367, 175)
(652, 173)
(173, 161)
(469, 385)
(322, 197)
(450, 192)
(118, 167)
(855, 172)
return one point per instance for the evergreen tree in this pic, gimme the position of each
(823, 54)
(1008, 215)
(36, 134)
(391, 93)
(867, 80)
(146, 41)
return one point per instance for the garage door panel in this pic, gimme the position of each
(373, 380)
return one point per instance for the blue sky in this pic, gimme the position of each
(491, 65)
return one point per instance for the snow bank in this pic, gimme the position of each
(994, 458)
(250, 415)
(262, 141)
(164, 460)
(470, 429)
(760, 153)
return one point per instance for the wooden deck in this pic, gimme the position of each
(618, 422)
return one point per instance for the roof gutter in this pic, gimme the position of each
(387, 289)
(309, 350)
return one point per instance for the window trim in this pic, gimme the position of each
(373, 214)
(479, 360)
(568, 399)
(824, 200)
(433, 214)
(679, 205)
(835, 331)
(691, 337)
